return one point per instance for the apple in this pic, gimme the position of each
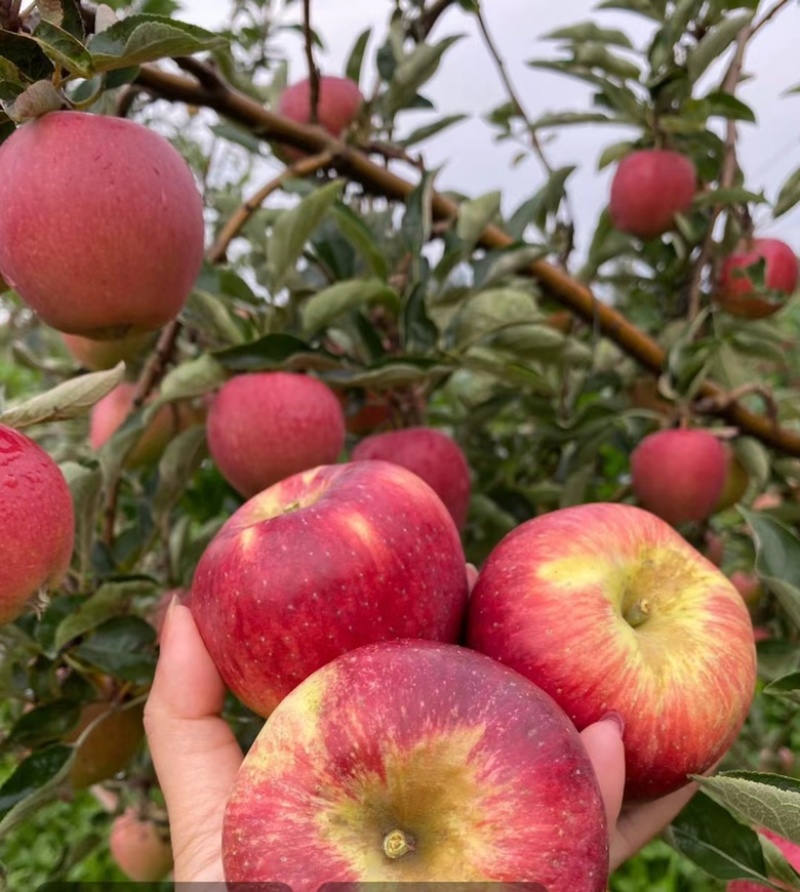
(789, 850)
(714, 547)
(97, 355)
(38, 523)
(109, 746)
(740, 295)
(338, 105)
(140, 847)
(431, 455)
(265, 426)
(101, 223)
(109, 414)
(649, 187)
(321, 563)
(679, 474)
(416, 761)
(608, 608)
(364, 411)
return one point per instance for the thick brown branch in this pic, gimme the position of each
(572, 294)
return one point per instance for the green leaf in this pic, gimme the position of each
(122, 647)
(787, 686)
(565, 119)
(181, 460)
(728, 197)
(109, 601)
(360, 237)
(395, 373)
(777, 559)
(46, 723)
(714, 43)
(70, 399)
(330, 303)
(64, 49)
(789, 195)
(489, 311)
(642, 7)
(765, 800)
(594, 55)
(25, 54)
(587, 32)
(420, 333)
(86, 486)
(614, 152)
(709, 835)
(213, 316)
(190, 379)
(294, 227)
(29, 777)
(422, 133)
(274, 351)
(474, 216)
(137, 39)
(725, 105)
(416, 69)
(355, 59)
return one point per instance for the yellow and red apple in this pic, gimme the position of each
(38, 523)
(608, 608)
(321, 563)
(101, 223)
(416, 761)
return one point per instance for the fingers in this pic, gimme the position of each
(472, 576)
(194, 751)
(638, 824)
(603, 742)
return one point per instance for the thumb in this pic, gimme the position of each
(603, 742)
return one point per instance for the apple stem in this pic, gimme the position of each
(397, 843)
(637, 613)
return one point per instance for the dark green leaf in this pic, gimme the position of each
(420, 334)
(789, 195)
(359, 235)
(30, 776)
(64, 49)
(787, 686)
(714, 43)
(415, 70)
(590, 32)
(122, 647)
(110, 600)
(274, 351)
(26, 55)
(724, 105)
(422, 133)
(323, 307)
(356, 57)
(44, 724)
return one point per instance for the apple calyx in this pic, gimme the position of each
(398, 843)
(637, 613)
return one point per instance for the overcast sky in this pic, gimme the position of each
(467, 82)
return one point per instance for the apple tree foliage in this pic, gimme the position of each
(472, 313)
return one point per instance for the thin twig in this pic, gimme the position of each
(725, 400)
(303, 168)
(313, 72)
(429, 17)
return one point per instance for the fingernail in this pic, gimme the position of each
(615, 717)
(164, 630)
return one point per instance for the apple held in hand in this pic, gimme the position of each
(101, 223)
(648, 189)
(606, 607)
(431, 455)
(140, 848)
(321, 563)
(265, 426)
(679, 475)
(417, 761)
(744, 292)
(37, 526)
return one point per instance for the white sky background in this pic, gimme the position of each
(467, 82)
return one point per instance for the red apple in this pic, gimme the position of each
(431, 455)
(110, 413)
(265, 426)
(110, 744)
(714, 547)
(98, 355)
(607, 608)
(364, 411)
(413, 761)
(140, 848)
(789, 850)
(739, 295)
(649, 188)
(338, 105)
(321, 563)
(101, 223)
(37, 526)
(679, 474)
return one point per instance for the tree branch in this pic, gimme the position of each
(577, 297)
(313, 71)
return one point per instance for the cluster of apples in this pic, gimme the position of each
(651, 186)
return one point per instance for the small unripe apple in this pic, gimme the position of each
(101, 223)
(266, 426)
(679, 474)
(338, 103)
(431, 455)
(789, 850)
(109, 414)
(109, 746)
(97, 355)
(37, 523)
(739, 295)
(649, 187)
(140, 847)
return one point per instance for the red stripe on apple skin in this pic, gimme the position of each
(480, 768)
(550, 601)
(367, 553)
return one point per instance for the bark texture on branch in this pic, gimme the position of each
(574, 295)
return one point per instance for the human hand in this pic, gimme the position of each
(197, 757)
